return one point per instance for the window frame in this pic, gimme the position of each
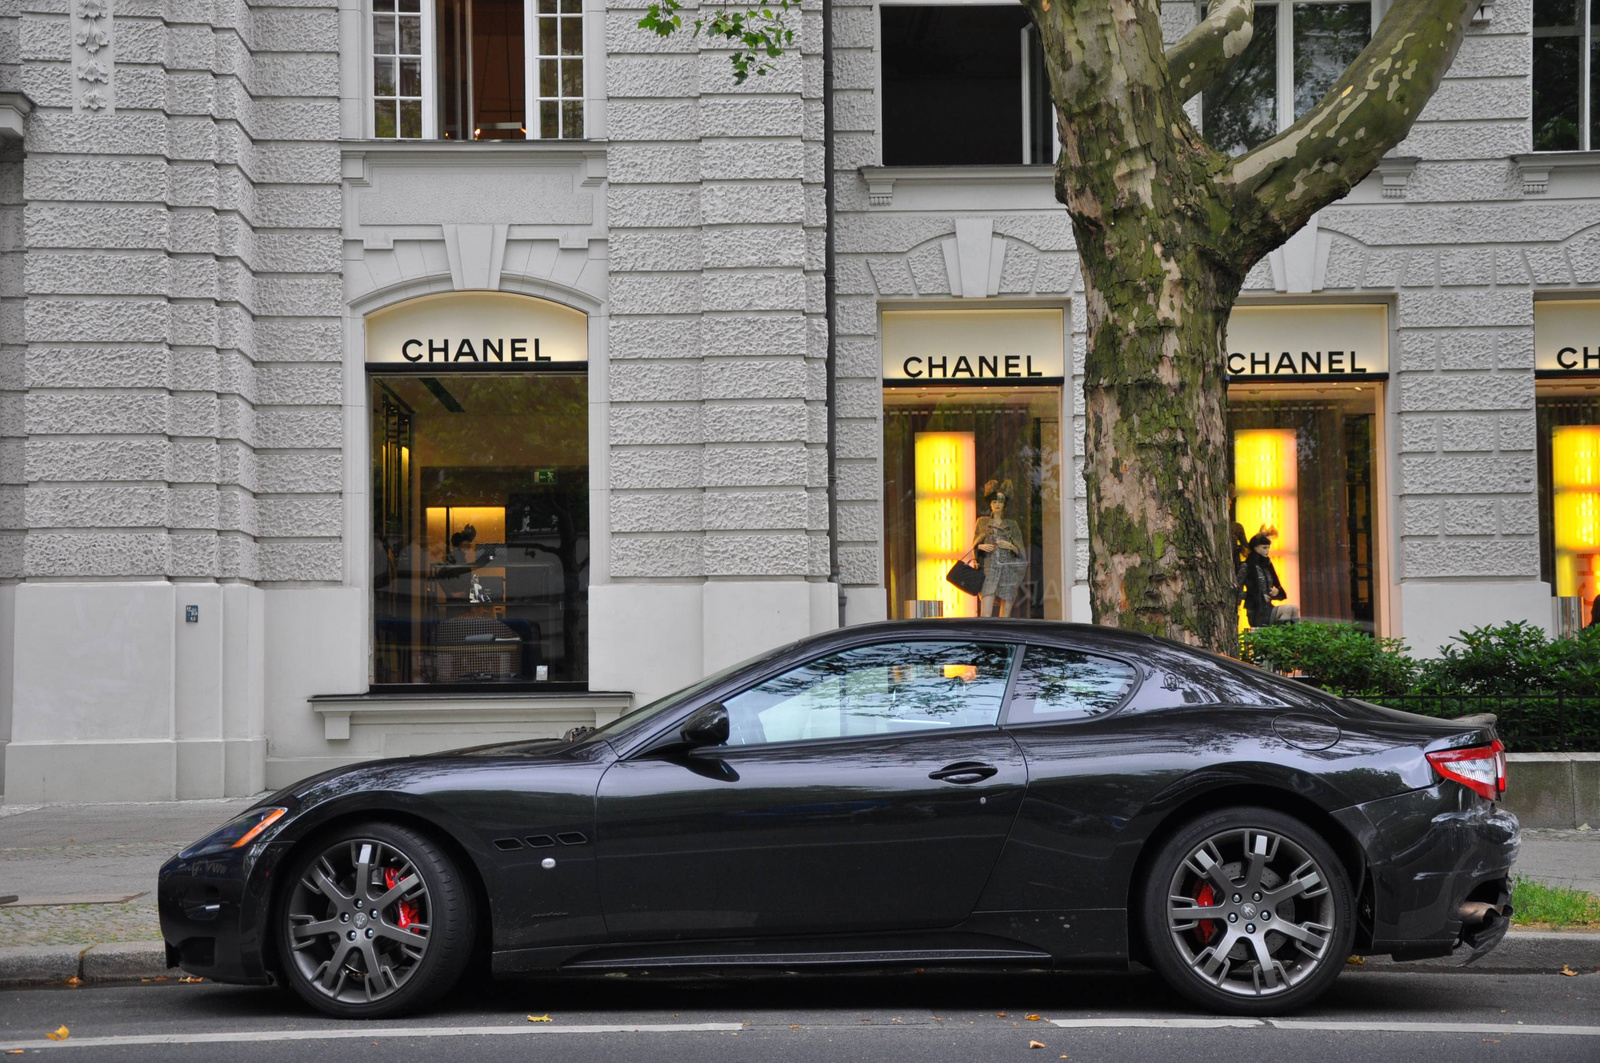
(1007, 723)
(1586, 36)
(430, 63)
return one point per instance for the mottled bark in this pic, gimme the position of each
(1167, 228)
(1207, 51)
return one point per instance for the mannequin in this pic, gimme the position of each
(1261, 589)
(998, 542)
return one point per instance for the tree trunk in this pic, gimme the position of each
(1157, 467)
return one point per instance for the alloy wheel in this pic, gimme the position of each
(1251, 913)
(359, 921)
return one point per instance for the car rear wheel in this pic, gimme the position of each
(376, 921)
(1248, 911)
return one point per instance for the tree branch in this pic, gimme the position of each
(1338, 142)
(1207, 51)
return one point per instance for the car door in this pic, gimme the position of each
(867, 789)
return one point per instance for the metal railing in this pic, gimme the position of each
(1527, 723)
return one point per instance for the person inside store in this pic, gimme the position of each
(998, 543)
(1260, 587)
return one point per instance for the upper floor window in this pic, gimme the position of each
(1295, 55)
(964, 84)
(1563, 69)
(477, 69)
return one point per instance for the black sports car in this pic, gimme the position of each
(952, 793)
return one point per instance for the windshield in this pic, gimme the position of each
(680, 697)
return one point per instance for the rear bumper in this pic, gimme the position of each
(1428, 852)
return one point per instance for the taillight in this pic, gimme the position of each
(1481, 769)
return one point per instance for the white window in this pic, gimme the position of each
(1564, 38)
(1297, 52)
(477, 69)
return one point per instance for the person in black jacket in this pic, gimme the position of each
(1260, 588)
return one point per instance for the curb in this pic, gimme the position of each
(1521, 952)
(122, 961)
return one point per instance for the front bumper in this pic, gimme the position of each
(213, 913)
(1428, 852)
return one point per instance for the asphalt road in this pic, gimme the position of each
(881, 1018)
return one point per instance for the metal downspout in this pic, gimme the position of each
(830, 365)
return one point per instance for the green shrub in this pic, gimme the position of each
(1340, 658)
(1516, 658)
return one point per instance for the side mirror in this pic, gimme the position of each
(707, 727)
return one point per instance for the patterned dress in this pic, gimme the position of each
(1002, 569)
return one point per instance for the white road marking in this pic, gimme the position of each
(368, 1032)
(1327, 1025)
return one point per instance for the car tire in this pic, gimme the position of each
(374, 920)
(1278, 934)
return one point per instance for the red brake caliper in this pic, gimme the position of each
(1205, 929)
(408, 912)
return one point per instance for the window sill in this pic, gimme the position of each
(558, 711)
(592, 153)
(1002, 186)
(1570, 172)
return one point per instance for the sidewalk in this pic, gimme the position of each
(85, 876)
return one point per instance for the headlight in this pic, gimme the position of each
(236, 833)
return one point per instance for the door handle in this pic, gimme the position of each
(964, 772)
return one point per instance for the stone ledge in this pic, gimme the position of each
(339, 711)
(1554, 789)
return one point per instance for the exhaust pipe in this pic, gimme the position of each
(1482, 913)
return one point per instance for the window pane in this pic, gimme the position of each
(572, 119)
(1327, 39)
(572, 36)
(411, 77)
(889, 688)
(411, 118)
(547, 36)
(572, 77)
(383, 77)
(547, 7)
(571, 7)
(481, 504)
(974, 474)
(952, 84)
(1058, 684)
(549, 120)
(1303, 475)
(410, 35)
(1555, 93)
(383, 36)
(1241, 109)
(383, 5)
(1569, 498)
(410, 5)
(547, 78)
(1556, 12)
(383, 123)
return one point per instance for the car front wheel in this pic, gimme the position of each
(376, 921)
(1248, 911)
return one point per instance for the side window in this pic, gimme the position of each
(888, 688)
(1058, 684)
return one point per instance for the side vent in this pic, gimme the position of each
(571, 837)
(540, 841)
(505, 845)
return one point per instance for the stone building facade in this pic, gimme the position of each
(204, 222)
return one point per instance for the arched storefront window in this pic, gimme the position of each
(480, 492)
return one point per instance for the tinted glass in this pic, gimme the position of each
(1057, 684)
(1241, 109)
(952, 84)
(888, 688)
(1327, 39)
(1557, 38)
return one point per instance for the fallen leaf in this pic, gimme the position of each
(191, 979)
(794, 1027)
(1568, 971)
(1035, 1044)
(1356, 961)
(1034, 1018)
(540, 1018)
(74, 980)
(1490, 1040)
(60, 1033)
(14, 1052)
(999, 1014)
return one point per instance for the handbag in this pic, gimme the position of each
(966, 576)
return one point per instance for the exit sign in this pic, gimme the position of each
(544, 476)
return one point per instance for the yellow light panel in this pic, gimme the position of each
(1575, 477)
(946, 507)
(1266, 480)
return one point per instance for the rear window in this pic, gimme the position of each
(1059, 684)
